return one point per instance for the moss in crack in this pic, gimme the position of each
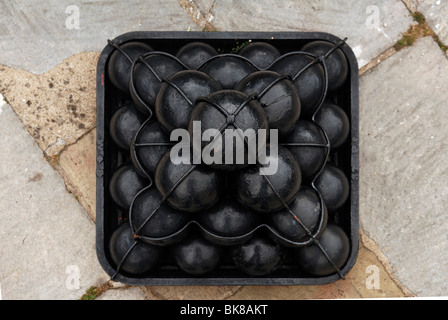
(420, 30)
(235, 49)
(208, 27)
(92, 293)
(53, 160)
(6, 100)
(419, 17)
(415, 32)
(406, 41)
(442, 46)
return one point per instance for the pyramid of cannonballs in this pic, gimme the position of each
(200, 215)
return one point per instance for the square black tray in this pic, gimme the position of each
(110, 157)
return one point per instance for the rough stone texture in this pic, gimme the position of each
(343, 18)
(411, 4)
(34, 35)
(56, 107)
(205, 5)
(201, 18)
(436, 15)
(77, 164)
(46, 236)
(403, 174)
(128, 293)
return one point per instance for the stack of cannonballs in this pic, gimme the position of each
(200, 215)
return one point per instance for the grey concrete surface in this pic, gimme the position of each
(29, 31)
(37, 35)
(403, 166)
(47, 240)
(370, 26)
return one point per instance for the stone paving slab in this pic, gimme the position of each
(37, 35)
(403, 167)
(371, 27)
(56, 107)
(47, 239)
(77, 165)
(28, 42)
(436, 15)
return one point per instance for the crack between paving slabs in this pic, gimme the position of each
(377, 60)
(69, 186)
(368, 243)
(50, 158)
(99, 290)
(198, 18)
(418, 31)
(66, 145)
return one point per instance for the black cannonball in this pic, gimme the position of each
(307, 208)
(189, 189)
(197, 256)
(149, 146)
(227, 70)
(261, 54)
(177, 97)
(309, 158)
(233, 110)
(194, 54)
(309, 83)
(124, 125)
(280, 101)
(124, 184)
(143, 257)
(228, 219)
(334, 121)
(266, 193)
(336, 62)
(148, 80)
(119, 65)
(311, 258)
(258, 256)
(334, 187)
(151, 218)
